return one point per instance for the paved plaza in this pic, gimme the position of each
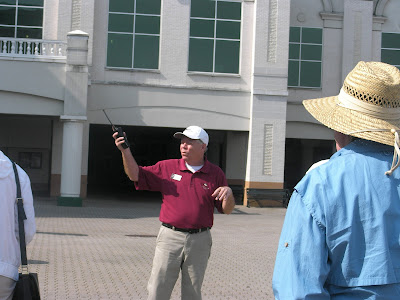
(104, 250)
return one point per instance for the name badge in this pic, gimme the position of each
(176, 177)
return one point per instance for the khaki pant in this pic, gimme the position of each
(179, 252)
(7, 286)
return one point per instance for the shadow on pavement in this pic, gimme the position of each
(105, 205)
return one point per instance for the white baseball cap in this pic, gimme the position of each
(194, 133)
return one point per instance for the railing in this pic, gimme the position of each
(30, 48)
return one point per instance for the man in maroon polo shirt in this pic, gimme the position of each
(191, 187)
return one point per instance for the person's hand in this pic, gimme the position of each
(222, 193)
(119, 140)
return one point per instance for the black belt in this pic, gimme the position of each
(186, 229)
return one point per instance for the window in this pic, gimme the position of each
(390, 52)
(30, 160)
(214, 44)
(305, 57)
(134, 34)
(21, 18)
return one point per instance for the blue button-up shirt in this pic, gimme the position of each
(341, 234)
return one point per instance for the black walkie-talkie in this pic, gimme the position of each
(120, 132)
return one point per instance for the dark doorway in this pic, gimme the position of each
(105, 169)
(27, 140)
(300, 154)
(148, 145)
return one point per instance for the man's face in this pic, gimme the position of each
(192, 151)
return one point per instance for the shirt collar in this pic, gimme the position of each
(362, 146)
(204, 169)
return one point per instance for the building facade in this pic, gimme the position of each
(238, 68)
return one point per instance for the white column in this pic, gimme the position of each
(71, 157)
(357, 33)
(75, 105)
(266, 147)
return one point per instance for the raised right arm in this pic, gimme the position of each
(130, 166)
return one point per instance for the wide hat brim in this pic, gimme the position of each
(347, 121)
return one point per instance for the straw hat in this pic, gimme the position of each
(368, 105)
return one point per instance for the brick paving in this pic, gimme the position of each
(104, 250)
